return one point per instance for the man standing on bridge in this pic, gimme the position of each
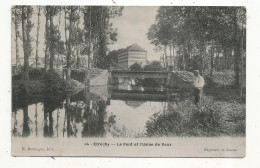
(198, 86)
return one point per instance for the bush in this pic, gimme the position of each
(78, 75)
(43, 81)
(153, 66)
(222, 79)
(54, 82)
(34, 74)
(27, 87)
(210, 119)
(135, 67)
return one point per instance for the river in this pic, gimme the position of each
(103, 111)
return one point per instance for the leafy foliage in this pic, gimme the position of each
(153, 66)
(135, 67)
(99, 32)
(54, 82)
(204, 32)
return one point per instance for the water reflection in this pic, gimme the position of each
(95, 112)
(26, 122)
(94, 116)
(50, 104)
(36, 120)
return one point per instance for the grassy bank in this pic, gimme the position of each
(212, 118)
(41, 82)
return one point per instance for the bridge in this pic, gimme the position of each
(172, 79)
(140, 74)
(115, 74)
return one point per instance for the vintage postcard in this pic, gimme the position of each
(129, 81)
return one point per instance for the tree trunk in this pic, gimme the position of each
(163, 60)
(225, 55)
(77, 41)
(165, 57)
(65, 30)
(212, 60)
(236, 51)
(36, 120)
(37, 37)
(241, 83)
(170, 47)
(25, 45)
(69, 130)
(66, 39)
(90, 55)
(16, 38)
(78, 59)
(26, 128)
(50, 124)
(52, 54)
(190, 56)
(178, 57)
(183, 58)
(58, 60)
(173, 61)
(57, 121)
(203, 56)
(242, 64)
(69, 46)
(46, 39)
(202, 50)
(28, 40)
(102, 48)
(217, 61)
(230, 62)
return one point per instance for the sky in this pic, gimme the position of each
(132, 27)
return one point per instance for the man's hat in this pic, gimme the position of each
(196, 71)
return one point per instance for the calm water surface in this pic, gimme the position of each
(96, 112)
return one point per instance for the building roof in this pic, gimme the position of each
(134, 47)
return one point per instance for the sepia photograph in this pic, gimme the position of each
(128, 81)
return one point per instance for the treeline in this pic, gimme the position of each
(204, 38)
(83, 45)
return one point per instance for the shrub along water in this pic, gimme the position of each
(42, 81)
(211, 118)
(53, 82)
